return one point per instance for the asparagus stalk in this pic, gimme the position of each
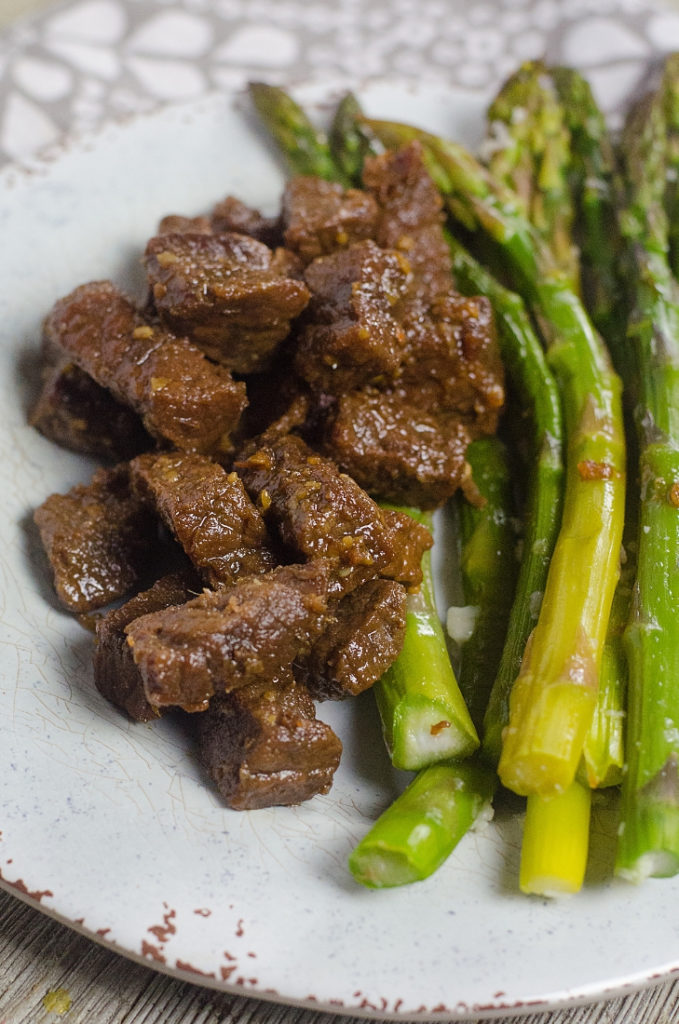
(424, 716)
(553, 699)
(528, 147)
(416, 833)
(649, 836)
(305, 148)
(670, 86)
(488, 571)
(535, 390)
(350, 141)
(555, 842)
(595, 186)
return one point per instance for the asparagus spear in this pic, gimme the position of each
(649, 836)
(595, 187)
(670, 86)
(553, 698)
(488, 570)
(555, 841)
(528, 147)
(305, 148)
(424, 716)
(534, 387)
(416, 833)
(350, 142)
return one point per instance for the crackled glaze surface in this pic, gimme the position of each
(109, 825)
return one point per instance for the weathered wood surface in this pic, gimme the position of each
(49, 973)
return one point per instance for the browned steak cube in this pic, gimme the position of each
(77, 413)
(263, 745)
(229, 293)
(233, 215)
(98, 538)
(410, 216)
(177, 224)
(208, 511)
(319, 512)
(251, 631)
(319, 216)
(181, 397)
(397, 451)
(359, 645)
(452, 361)
(352, 335)
(115, 674)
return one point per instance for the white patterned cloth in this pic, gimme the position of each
(82, 62)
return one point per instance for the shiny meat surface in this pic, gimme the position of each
(263, 745)
(222, 640)
(229, 293)
(208, 511)
(181, 397)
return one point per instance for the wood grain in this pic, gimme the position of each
(38, 956)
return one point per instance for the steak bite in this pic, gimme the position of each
(398, 451)
(115, 674)
(359, 645)
(208, 511)
(229, 293)
(319, 216)
(320, 512)
(352, 335)
(77, 413)
(181, 397)
(452, 362)
(249, 632)
(410, 216)
(98, 538)
(263, 745)
(233, 215)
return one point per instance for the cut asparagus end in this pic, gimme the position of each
(414, 836)
(425, 731)
(555, 842)
(648, 840)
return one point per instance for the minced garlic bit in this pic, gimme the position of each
(461, 622)
(145, 331)
(166, 258)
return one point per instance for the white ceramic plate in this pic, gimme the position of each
(110, 826)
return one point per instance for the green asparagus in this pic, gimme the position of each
(649, 834)
(535, 391)
(424, 716)
(553, 698)
(416, 833)
(305, 148)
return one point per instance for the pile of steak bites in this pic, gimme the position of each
(282, 375)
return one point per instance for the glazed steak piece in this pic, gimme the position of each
(98, 538)
(263, 745)
(319, 512)
(181, 397)
(208, 511)
(410, 216)
(398, 450)
(229, 293)
(358, 646)
(319, 216)
(77, 413)
(351, 334)
(115, 674)
(233, 215)
(251, 631)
